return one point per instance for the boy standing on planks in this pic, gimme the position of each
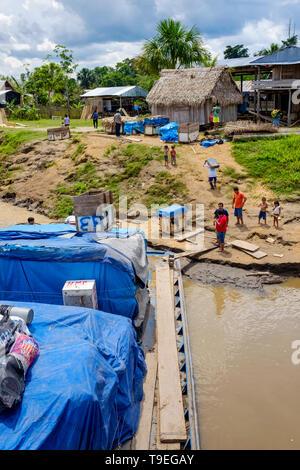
(238, 203)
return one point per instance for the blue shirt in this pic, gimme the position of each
(225, 212)
(95, 115)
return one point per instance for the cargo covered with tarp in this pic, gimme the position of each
(85, 388)
(34, 267)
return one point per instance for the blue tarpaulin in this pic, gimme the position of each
(35, 270)
(169, 133)
(129, 127)
(35, 231)
(84, 390)
(172, 211)
(156, 121)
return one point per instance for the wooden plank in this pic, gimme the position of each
(142, 438)
(256, 254)
(172, 422)
(187, 254)
(245, 245)
(189, 235)
(163, 445)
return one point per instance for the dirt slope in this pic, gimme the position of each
(44, 175)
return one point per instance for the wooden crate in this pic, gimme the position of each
(188, 132)
(59, 133)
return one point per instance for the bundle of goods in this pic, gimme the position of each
(134, 126)
(246, 127)
(84, 392)
(156, 121)
(18, 351)
(109, 124)
(169, 133)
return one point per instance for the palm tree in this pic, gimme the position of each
(173, 46)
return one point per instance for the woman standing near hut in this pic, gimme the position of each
(216, 116)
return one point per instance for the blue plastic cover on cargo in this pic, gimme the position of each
(169, 133)
(172, 211)
(84, 390)
(35, 231)
(129, 127)
(156, 121)
(36, 270)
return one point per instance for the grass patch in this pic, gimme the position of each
(233, 174)
(275, 162)
(62, 208)
(165, 189)
(11, 141)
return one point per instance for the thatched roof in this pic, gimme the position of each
(191, 87)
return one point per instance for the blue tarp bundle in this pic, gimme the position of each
(156, 122)
(84, 390)
(129, 127)
(35, 231)
(35, 270)
(169, 133)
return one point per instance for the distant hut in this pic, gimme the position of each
(188, 95)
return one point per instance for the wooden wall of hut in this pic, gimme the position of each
(182, 114)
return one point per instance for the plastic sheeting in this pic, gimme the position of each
(156, 121)
(169, 133)
(84, 390)
(35, 270)
(35, 231)
(130, 126)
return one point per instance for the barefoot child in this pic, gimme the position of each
(166, 156)
(238, 203)
(276, 213)
(173, 156)
(263, 210)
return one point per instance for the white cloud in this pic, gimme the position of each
(46, 46)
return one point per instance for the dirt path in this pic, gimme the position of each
(11, 215)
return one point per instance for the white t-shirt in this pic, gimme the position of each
(276, 211)
(71, 220)
(211, 171)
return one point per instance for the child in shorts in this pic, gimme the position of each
(173, 156)
(276, 214)
(166, 156)
(263, 210)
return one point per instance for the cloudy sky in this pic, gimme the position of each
(103, 32)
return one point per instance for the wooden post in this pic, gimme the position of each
(258, 97)
(289, 108)
(242, 83)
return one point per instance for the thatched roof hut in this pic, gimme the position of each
(187, 95)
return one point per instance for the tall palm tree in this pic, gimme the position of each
(173, 46)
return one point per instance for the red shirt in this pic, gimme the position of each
(221, 226)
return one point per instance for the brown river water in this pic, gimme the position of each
(247, 387)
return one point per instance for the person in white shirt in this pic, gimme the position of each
(276, 213)
(212, 173)
(66, 121)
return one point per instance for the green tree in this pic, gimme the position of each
(49, 78)
(68, 66)
(234, 52)
(172, 47)
(291, 41)
(86, 78)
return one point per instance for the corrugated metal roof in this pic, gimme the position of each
(123, 91)
(289, 55)
(239, 62)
